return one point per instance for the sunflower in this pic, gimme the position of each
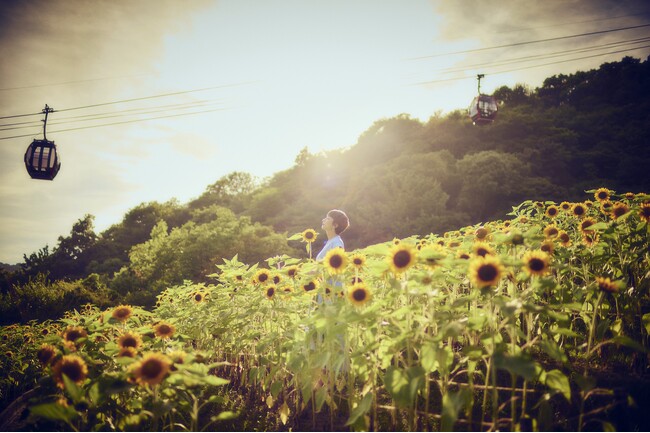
(565, 206)
(309, 236)
(482, 233)
(198, 297)
(396, 241)
(129, 339)
(74, 333)
(585, 224)
(607, 285)
(336, 260)
(564, 238)
(579, 210)
(355, 280)
(152, 369)
(177, 356)
(536, 262)
(358, 260)
(287, 289)
(401, 258)
(270, 292)
(292, 272)
(482, 249)
(590, 238)
(507, 223)
(431, 255)
(128, 352)
(359, 294)
(552, 211)
(72, 366)
(164, 329)
(619, 209)
(46, 354)
(463, 255)
(516, 238)
(276, 278)
(523, 219)
(310, 286)
(548, 247)
(262, 276)
(602, 194)
(485, 271)
(551, 231)
(606, 206)
(629, 195)
(644, 212)
(122, 313)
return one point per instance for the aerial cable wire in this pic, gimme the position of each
(530, 67)
(150, 97)
(574, 22)
(119, 123)
(544, 56)
(516, 44)
(162, 95)
(122, 113)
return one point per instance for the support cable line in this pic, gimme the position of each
(546, 56)
(121, 123)
(516, 44)
(531, 66)
(575, 22)
(162, 95)
(120, 113)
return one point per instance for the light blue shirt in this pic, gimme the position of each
(335, 242)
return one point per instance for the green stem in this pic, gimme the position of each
(592, 328)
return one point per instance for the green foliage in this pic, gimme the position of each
(40, 299)
(190, 252)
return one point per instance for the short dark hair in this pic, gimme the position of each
(340, 219)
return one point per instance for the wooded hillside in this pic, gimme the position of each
(403, 177)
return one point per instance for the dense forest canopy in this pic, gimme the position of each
(403, 177)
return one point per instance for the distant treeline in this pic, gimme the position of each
(403, 177)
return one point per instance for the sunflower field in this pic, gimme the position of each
(539, 322)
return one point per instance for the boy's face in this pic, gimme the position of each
(328, 223)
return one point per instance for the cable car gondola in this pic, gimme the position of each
(41, 158)
(483, 109)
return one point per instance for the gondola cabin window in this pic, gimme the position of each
(42, 160)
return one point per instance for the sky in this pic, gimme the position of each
(156, 100)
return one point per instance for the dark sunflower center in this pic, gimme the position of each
(270, 292)
(536, 264)
(619, 211)
(481, 252)
(552, 232)
(579, 210)
(73, 335)
(263, 277)
(122, 313)
(73, 371)
(487, 273)
(164, 329)
(564, 237)
(602, 195)
(151, 369)
(336, 261)
(309, 235)
(198, 297)
(402, 258)
(358, 262)
(552, 211)
(276, 279)
(359, 295)
(129, 342)
(310, 286)
(45, 355)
